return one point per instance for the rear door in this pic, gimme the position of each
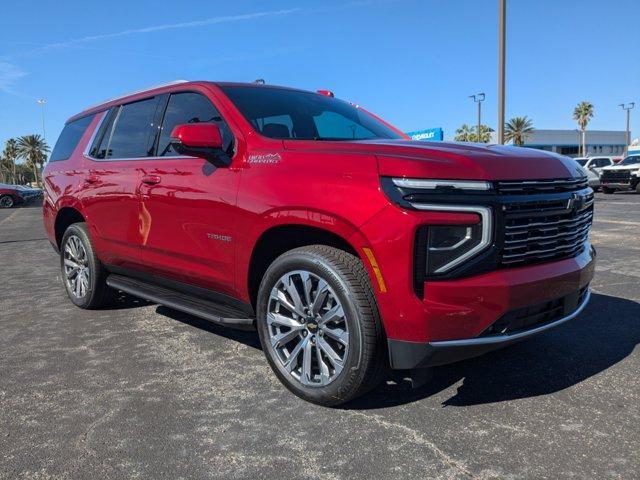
(123, 143)
(188, 206)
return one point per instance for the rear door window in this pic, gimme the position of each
(69, 138)
(190, 107)
(131, 134)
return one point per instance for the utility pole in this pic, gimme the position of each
(502, 20)
(628, 107)
(41, 102)
(478, 98)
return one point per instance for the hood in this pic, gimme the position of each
(449, 160)
(633, 166)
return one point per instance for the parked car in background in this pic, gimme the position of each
(595, 163)
(623, 176)
(349, 247)
(593, 167)
(30, 193)
(12, 195)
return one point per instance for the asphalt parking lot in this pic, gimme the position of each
(146, 392)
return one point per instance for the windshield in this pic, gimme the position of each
(633, 159)
(582, 162)
(299, 115)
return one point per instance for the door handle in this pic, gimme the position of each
(91, 178)
(151, 179)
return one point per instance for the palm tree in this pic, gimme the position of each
(582, 114)
(34, 149)
(464, 133)
(518, 129)
(10, 155)
(485, 134)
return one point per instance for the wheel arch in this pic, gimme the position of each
(281, 238)
(65, 217)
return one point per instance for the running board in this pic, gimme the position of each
(214, 312)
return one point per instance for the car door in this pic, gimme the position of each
(188, 206)
(122, 144)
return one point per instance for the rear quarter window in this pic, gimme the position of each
(69, 138)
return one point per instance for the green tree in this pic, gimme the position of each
(518, 129)
(34, 149)
(9, 157)
(464, 133)
(485, 134)
(582, 114)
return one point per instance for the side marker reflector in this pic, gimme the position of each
(376, 269)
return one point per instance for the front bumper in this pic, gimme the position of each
(621, 185)
(410, 355)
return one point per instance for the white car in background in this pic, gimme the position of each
(595, 163)
(593, 166)
(623, 176)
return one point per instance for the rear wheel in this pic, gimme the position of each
(607, 190)
(319, 325)
(6, 201)
(82, 273)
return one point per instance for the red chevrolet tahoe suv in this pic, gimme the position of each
(349, 247)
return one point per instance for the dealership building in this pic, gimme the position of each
(566, 142)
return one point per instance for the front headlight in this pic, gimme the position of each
(463, 185)
(439, 248)
(448, 246)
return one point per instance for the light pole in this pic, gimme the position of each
(627, 107)
(478, 98)
(41, 102)
(502, 23)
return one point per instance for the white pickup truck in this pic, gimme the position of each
(623, 176)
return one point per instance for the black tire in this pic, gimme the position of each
(6, 201)
(607, 190)
(366, 362)
(97, 293)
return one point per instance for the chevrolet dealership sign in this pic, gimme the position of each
(430, 134)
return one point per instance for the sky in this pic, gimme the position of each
(413, 62)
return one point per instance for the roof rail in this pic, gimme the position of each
(167, 84)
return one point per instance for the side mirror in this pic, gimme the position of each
(202, 140)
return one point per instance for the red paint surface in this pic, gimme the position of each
(158, 214)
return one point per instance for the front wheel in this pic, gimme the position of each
(6, 201)
(319, 325)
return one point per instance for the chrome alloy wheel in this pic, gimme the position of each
(307, 328)
(76, 267)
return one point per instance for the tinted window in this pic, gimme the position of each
(69, 138)
(334, 125)
(189, 107)
(130, 133)
(582, 162)
(107, 123)
(313, 116)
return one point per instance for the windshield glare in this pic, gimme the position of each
(630, 160)
(298, 115)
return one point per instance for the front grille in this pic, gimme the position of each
(616, 176)
(520, 187)
(536, 315)
(543, 230)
